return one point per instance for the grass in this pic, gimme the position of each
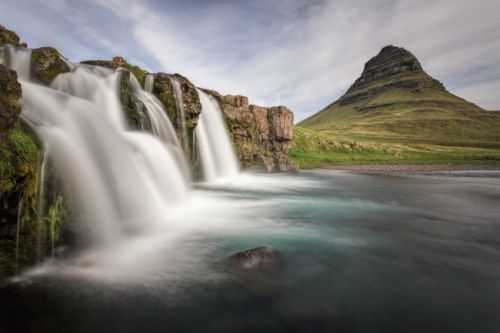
(315, 149)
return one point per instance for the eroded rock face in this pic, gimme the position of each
(10, 93)
(8, 37)
(46, 64)
(19, 168)
(262, 136)
(164, 90)
(258, 259)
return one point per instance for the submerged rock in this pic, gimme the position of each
(258, 259)
(46, 64)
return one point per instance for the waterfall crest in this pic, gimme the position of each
(216, 152)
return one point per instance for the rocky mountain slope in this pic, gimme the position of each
(395, 97)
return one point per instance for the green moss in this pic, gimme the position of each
(46, 64)
(130, 107)
(19, 160)
(139, 73)
(56, 216)
(8, 37)
(19, 169)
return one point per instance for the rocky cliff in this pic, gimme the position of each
(395, 97)
(262, 135)
(19, 164)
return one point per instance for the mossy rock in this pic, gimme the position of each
(46, 64)
(8, 37)
(10, 94)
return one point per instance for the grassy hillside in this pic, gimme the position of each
(428, 114)
(396, 113)
(313, 149)
(395, 98)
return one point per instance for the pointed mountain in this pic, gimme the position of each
(395, 97)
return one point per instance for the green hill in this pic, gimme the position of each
(394, 98)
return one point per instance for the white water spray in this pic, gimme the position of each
(217, 155)
(123, 182)
(19, 60)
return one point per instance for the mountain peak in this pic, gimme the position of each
(389, 62)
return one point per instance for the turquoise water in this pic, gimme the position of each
(362, 253)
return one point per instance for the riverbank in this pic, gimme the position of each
(415, 167)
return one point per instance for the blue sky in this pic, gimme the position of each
(300, 53)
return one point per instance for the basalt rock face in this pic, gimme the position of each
(262, 135)
(46, 64)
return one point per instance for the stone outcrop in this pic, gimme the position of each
(262, 135)
(393, 67)
(46, 64)
(10, 93)
(117, 62)
(9, 37)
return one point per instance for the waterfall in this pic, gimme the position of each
(216, 152)
(123, 182)
(149, 81)
(19, 59)
(181, 115)
(18, 228)
(161, 126)
(41, 205)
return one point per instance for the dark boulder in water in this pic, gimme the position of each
(257, 259)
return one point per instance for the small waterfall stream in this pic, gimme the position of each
(181, 115)
(216, 152)
(19, 60)
(149, 82)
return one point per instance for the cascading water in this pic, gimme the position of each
(149, 82)
(217, 155)
(181, 115)
(161, 126)
(19, 60)
(123, 182)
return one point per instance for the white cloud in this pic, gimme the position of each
(303, 54)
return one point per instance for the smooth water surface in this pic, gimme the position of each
(363, 253)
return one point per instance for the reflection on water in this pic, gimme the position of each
(363, 253)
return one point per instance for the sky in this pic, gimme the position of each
(300, 53)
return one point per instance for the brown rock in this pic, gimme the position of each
(10, 94)
(262, 136)
(46, 64)
(8, 37)
(258, 259)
